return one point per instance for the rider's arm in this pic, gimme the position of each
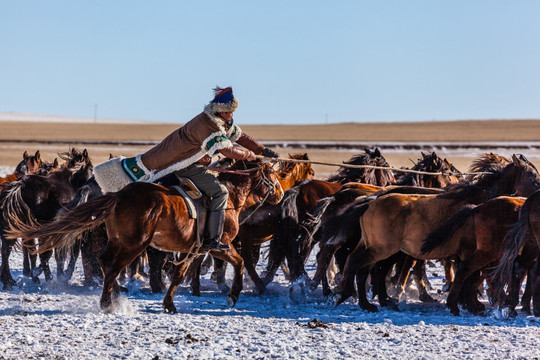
(237, 153)
(250, 143)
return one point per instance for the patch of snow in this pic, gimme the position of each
(55, 320)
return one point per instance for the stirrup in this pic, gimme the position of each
(214, 244)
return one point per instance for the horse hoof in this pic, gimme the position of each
(231, 301)
(336, 300)
(426, 298)
(171, 309)
(369, 308)
(455, 311)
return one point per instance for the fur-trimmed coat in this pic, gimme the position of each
(196, 141)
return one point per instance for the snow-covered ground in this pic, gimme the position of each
(58, 321)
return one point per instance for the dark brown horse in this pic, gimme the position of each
(397, 222)
(521, 247)
(37, 198)
(145, 214)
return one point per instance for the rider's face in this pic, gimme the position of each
(227, 116)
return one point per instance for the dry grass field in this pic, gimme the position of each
(16, 137)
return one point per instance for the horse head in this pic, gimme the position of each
(523, 174)
(30, 164)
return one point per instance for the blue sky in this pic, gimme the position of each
(289, 62)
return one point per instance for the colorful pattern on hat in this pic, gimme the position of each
(224, 100)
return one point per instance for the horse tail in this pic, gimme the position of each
(312, 221)
(444, 233)
(337, 229)
(513, 242)
(15, 212)
(65, 229)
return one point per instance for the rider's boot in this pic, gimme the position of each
(214, 230)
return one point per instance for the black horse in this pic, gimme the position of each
(35, 199)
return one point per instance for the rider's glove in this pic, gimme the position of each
(267, 152)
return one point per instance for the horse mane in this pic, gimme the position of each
(488, 162)
(429, 163)
(364, 175)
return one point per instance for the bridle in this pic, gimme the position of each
(267, 181)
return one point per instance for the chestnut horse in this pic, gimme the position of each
(397, 222)
(147, 214)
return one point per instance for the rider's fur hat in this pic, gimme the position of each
(224, 100)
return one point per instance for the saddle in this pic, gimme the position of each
(195, 200)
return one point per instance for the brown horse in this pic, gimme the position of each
(397, 222)
(521, 247)
(475, 236)
(146, 214)
(329, 211)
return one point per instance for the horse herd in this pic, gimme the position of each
(369, 222)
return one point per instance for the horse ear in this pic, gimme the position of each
(55, 162)
(110, 156)
(306, 157)
(433, 154)
(377, 152)
(517, 161)
(25, 155)
(85, 153)
(37, 155)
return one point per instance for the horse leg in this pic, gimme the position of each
(378, 279)
(156, 262)
(466, 268)
(7, 279)
(404, 272)
(232, 257)
(75, 250)
(194, 271)
(113, 261)
(90, 265)
(534, 276)
(178, 275)
(218, 276)
(324, 257)
(528, 293)
(470, 293)
(29, 261)
(247, 254)
(206, 264)
(276, 256)
(44, 268)
(448, 273)
(419, 271)
(358, 264)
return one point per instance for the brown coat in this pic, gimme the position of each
(197, 141)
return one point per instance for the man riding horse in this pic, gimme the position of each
(187, 152)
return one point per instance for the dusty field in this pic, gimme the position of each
(32, 136)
